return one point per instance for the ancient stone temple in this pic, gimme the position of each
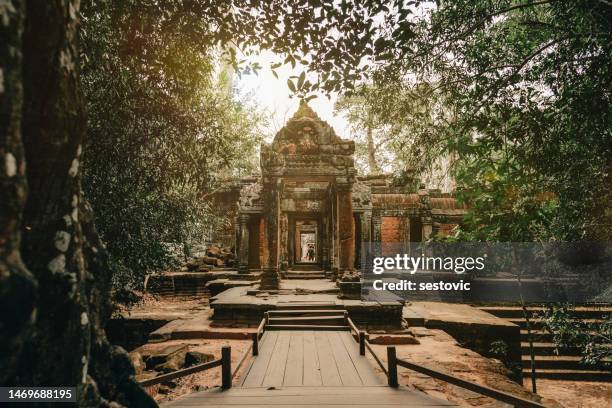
(310, 211)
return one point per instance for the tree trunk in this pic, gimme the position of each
(17, 285)
(373, 166)
(67, 345)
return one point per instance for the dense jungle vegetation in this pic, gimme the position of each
(114, 123)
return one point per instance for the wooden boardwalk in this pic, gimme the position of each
(305, 368)
(309, 358)
(302, 397)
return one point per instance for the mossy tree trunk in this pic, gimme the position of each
(62, 297)
(17, 285)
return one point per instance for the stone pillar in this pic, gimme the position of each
(427, 228)
(324, 240)
(283, 242)
(333, 234)
(366, 232)
(376, 234)
(243, 251)
(346, 228)
(270, 276)
(425, 207)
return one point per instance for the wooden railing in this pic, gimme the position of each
(361, 338)
(225, 362)
(393, 362)
(254, 347)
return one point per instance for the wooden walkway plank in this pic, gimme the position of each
(255, 375)
(346, 368)
(362, 365)
(276, 369)
(312, 370)
(329, 370)
(294, 371)
(310, 397)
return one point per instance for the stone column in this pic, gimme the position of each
(366, 232)
(425, 206)
(376, 234)
(270, 277)
(346, 228)
(427, 227)
(283, 242)
(243, 251)
(324, 240)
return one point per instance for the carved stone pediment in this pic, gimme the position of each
(307, 134)
(362, 194)
(250, 196)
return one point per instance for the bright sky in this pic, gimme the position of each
(273, 95)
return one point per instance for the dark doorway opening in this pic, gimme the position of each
(308, 247)
(305, 240)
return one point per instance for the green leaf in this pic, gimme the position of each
(291, 85)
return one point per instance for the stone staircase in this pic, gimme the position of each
(178, 286)
(197, 284)
(304, 272)
(307, 316)
(565, 366)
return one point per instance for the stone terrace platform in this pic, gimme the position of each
(247, 305)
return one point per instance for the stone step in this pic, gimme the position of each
(558, 362)
(337, 320)
(538, 324)
(306, 267)
(546, 349)
(537, 335)
(219, 285)
(307, 306)
(304, 327)
(516, 312)
(569, 375)
(296, 312)
(304, 275)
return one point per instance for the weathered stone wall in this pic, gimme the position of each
(393, 229)
(444, 229)
(225, 212)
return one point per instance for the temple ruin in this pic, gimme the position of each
(309, 210)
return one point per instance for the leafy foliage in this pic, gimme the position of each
(162, 129)
(520, 96)
(592, 339)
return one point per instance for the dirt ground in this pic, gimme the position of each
(436, 349)
(440, 351)
(205, 379)
(576, 394)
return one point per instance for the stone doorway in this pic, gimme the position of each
(308, 246)
(305, 245)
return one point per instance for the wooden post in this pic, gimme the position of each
(255, 343)
(392, 366)
(345, 318)
(267, 318)
(362, 343)
(226, 367)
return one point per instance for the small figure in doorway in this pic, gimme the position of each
(310, 254)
